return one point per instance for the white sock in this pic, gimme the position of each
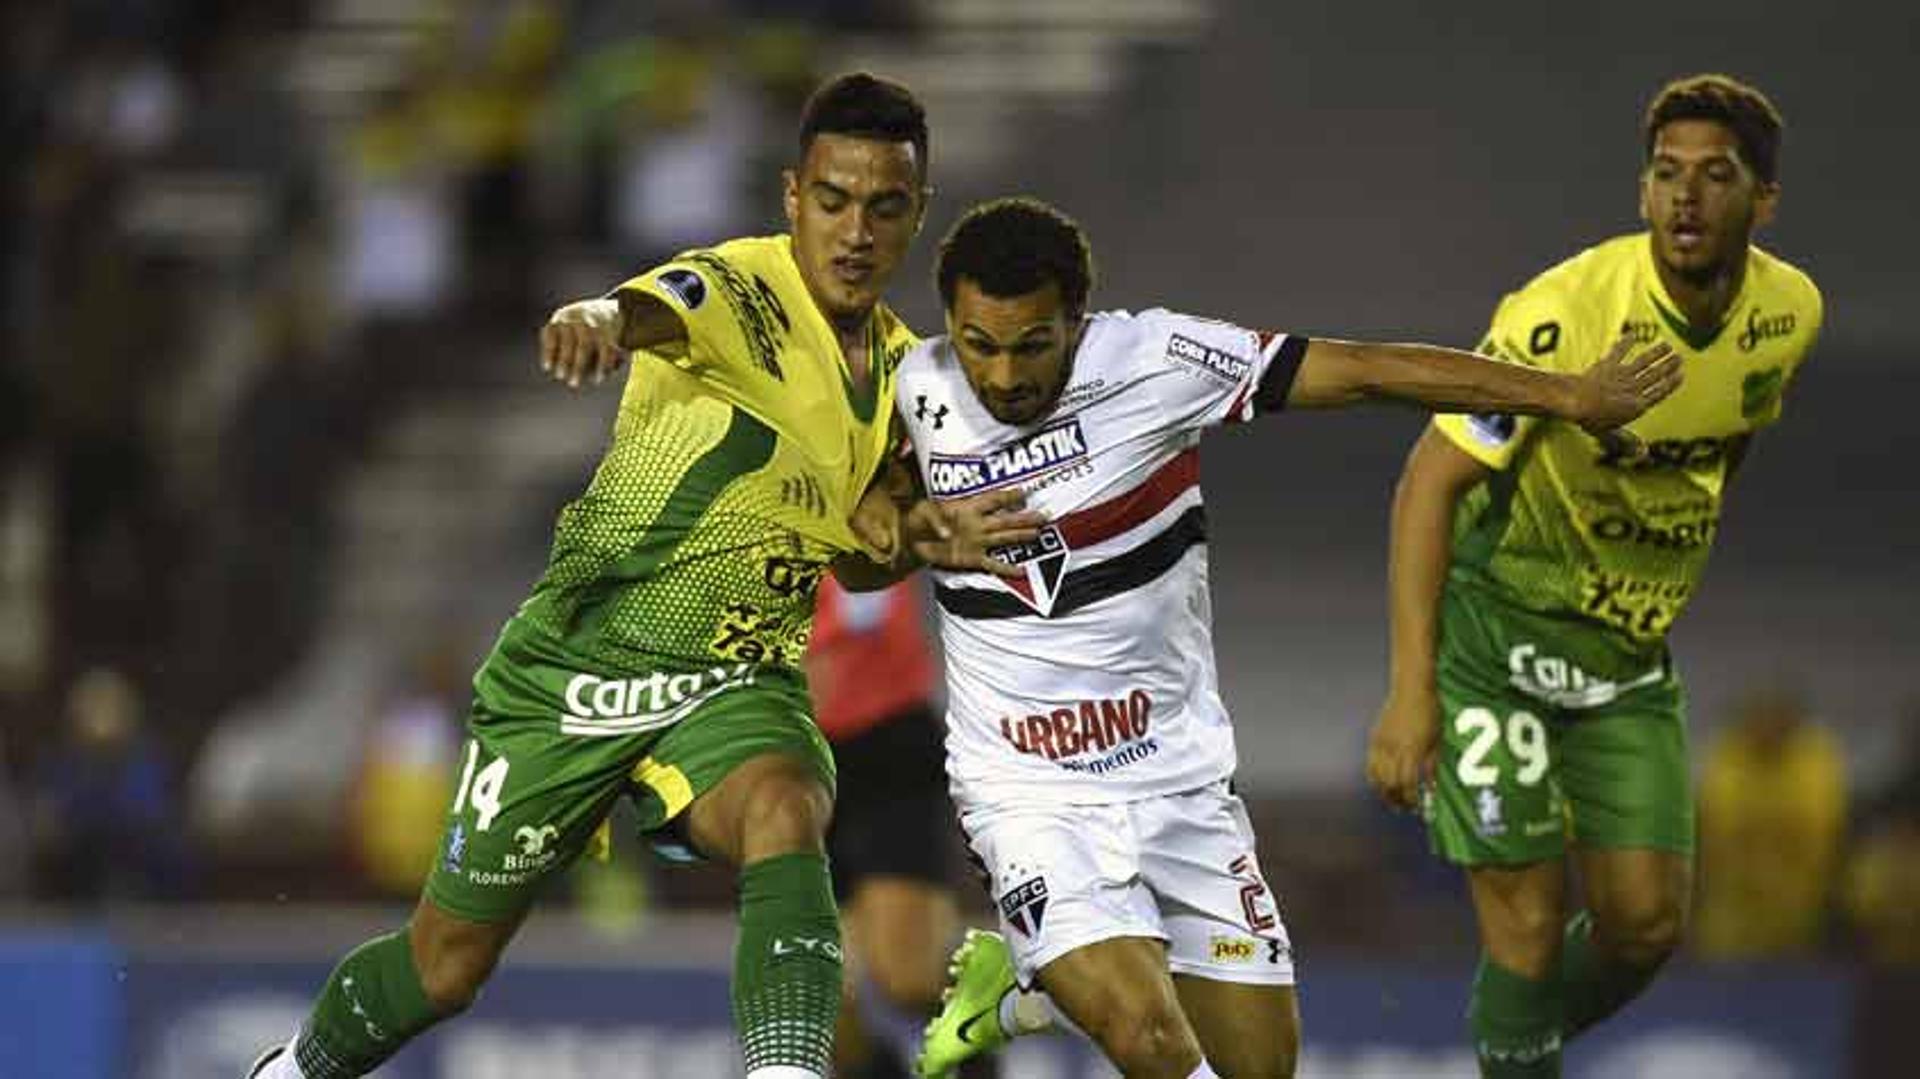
(784, 1071)
(1031, 1011)
(1204, 1071)
(1018, 1016)
(284, 1066)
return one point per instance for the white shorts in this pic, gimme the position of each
(1181, 868)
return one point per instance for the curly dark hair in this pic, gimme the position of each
(1010, 247)
(869, 107)
(1725, 100)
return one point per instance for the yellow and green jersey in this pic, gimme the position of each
(737, 458)
(1585, 539)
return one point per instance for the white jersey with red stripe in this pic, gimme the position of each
(1091, 680)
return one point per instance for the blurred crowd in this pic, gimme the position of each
(240, 236)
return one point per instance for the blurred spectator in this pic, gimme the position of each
(104, 817)
(1883, 875)
(405, 778)
(13, 836)
(687, 156)
(489, 114)
(397, 250)
(1773, 806)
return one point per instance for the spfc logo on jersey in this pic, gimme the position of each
(1050, 448)
(1045, 559)
(1024, 905)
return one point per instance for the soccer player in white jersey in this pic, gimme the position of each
(1088, 750)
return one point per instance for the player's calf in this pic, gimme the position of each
(372, 1005)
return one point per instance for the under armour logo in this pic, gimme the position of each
(921, 412)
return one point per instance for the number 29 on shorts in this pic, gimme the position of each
(1524, 738)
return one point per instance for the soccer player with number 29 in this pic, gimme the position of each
(1536, 571)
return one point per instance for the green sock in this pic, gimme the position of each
(786, 966)
(1516, 1024)
(371, 1006)
(1596, 986)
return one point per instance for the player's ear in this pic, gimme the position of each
(790, 196)
(1766, 202)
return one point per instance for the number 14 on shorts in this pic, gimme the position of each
(482, 787)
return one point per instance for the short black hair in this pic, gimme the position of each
(1727, 101)
(1013, 246)
(868, 107)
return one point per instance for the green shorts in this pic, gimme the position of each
(1535, 750)
(553, 747)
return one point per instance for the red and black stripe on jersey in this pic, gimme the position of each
(1095, 524)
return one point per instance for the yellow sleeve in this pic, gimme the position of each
(709, 294)
(1768, 390)
(1534, 327)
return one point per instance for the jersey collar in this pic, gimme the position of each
(862, 402)
(1697, 338)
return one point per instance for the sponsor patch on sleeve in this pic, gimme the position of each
(1494, 429)
(1208, 360)
(684, 285)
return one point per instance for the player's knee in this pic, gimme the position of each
(1145, 1037)
(1524, 933)
(1641, 932)
(786, 812)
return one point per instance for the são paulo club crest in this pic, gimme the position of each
(1045, 559)
(1025, 904)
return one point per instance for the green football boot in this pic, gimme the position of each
(978, 975)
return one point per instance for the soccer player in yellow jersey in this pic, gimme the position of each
(657, 658)
(1535, 574)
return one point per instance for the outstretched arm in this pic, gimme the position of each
(591, 339)
(1612, 392)
(1400, 750)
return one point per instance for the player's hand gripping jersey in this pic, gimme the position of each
(1092, 679)
(735, 463)
(1598, 553)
